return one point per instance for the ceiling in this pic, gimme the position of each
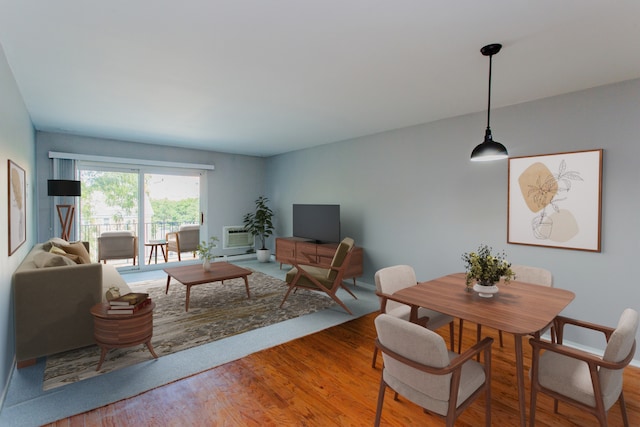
(264, 77)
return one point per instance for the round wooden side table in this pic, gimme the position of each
(122, 330)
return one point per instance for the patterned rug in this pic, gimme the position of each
(215, 311)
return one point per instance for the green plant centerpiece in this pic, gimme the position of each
(260, 224)
(486, 268)
(205, 251)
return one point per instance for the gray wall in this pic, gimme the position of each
(231, 188)
(17, 143)
(412, 195)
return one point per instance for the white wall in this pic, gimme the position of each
(412, 195)
(231, 188)
(17, 143)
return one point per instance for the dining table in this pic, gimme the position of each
(518, 308)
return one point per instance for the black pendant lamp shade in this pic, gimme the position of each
(489, 149)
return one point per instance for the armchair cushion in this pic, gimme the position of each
(189, 237)
(116, 245)
(186, 239)
(338, 258)
(318, 273)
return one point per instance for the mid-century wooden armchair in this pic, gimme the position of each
(317, 278)
(582, 379)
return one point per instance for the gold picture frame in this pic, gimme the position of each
(555, 200)
(17, 180)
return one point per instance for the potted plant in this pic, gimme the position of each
(205, 252)
(486, 269)
(259, 223)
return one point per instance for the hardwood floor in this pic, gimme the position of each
(326, 379)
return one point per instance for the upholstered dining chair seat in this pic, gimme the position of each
(392, 279)
(570, 377)
(436, 319)
(590, 382)
(418, 366)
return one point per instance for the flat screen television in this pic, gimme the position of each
(320, 223)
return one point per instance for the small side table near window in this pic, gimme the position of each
(122, 330)
(155, 244)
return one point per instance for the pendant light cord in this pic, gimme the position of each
(489, 97)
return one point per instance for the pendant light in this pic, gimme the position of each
(489, 149)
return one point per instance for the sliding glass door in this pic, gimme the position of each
(146, 202)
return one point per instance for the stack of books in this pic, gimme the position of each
(128, 303)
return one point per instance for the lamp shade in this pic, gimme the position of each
(63, 187)
(489, 150)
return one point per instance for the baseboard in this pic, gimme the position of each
(5, 386)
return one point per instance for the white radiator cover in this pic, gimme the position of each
(235, 236)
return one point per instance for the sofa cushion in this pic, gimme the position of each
(77, 248)
(56, 250)
(54, 241)
(48, 259)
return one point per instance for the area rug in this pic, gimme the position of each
(215, 311)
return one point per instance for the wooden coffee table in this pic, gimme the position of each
(191, 275)
(122, 330)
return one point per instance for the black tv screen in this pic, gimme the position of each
(320, 223)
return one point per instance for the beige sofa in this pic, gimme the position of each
(53, 294)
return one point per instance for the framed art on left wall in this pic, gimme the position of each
(17, 206)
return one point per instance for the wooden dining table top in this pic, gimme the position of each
(519, 308)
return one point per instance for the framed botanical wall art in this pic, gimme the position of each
(17, 207)
(555, 200)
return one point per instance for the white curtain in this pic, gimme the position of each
(65, 169)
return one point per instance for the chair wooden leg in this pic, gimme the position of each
(286, 296)
(478, 337)
(347, 289)
(623, 409)
(500, 337)
(381, 392)
(375, 357)
(460, 335)
(451, 336)
(532, 409)
(340, 303)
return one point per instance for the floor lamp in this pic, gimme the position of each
(64, 188)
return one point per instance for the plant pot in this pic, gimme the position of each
(206, 265)
(485, 291)
(264, 255)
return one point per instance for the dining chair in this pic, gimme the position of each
(325, 279)
(523, 273)
(590, 382)
(418, 366)
(391, 279)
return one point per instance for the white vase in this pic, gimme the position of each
(206, 265)
(485, 291)
(263, 255)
